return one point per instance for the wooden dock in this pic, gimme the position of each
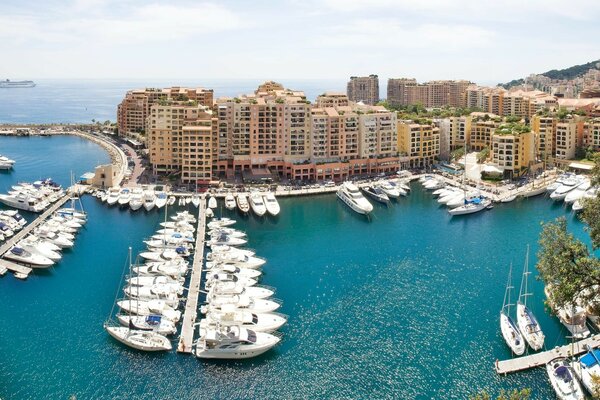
(191, 306)
(539, 359)
(10, 242)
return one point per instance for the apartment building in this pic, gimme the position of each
(403, 91)
(181, 140)
(512, 149)
(459, 131)
(499, 101)
(134, 109)
(566, 140)
(483, 126)
(363, 89)
(544, 127)
(591, 134)
(418, 144)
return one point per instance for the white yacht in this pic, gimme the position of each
(139, 339)
(145, 293)
(227, 231)
(459, 200)
(23, 256)
(578, 192)
(526, 321)
(243, 302)
(221, 223)
(161, 199)
(136, 200)
(149, 199)
(24, 201)
(172, 270)
(433, 184)
(242, 203)
(215, 278)
(390, 190)
(229, 201)
(6, 163)
(212, 202)
(470, 207)
(16, 216)
(579, 204)
(233, 342)
(259, 322)
(232, 269)
(509, 330)
(196, 200)
(354, 199)
(228, 288)
(152, 307)
(124, 197)
(113, 196)
(449, 195)
(241, 260)
(565, 384)
(271, 204)
(217, 250)
(55, 238)
(224, 239)
(567, 185)
(573, 317)
(155, 323)
(587, 369)
(257, 204)
(154, 280)
(6, 230)
(166, 255)
(41, 248)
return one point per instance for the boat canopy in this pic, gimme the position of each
(590, 359)
(563, 373)
(153, 319)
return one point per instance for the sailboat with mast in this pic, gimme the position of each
(528, 324)
(511, 334)
(140, 339)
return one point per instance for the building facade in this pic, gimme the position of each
(363, 89)
(403, 92)
(418, 144)
(512, 150)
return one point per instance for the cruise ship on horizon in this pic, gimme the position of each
(7, 84)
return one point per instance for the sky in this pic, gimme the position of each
(484, 41)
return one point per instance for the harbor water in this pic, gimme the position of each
(405, 305)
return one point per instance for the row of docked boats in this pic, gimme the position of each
(34, 197)
(459, 201)
(260, 203)
(11, 222)
(42, 248)
(137, 197)
(239, 317)
(153, 290)
(6, 163)
(573, 190)
(381, 191)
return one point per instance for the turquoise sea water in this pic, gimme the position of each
(403, 306)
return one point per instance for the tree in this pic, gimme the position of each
(566, 263)
(523, 394)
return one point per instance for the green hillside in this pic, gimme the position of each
(566, 73)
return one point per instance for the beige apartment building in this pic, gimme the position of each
(419, 144)
(544, 128)
(512, 150)
(483, 126)
(566, 140)
(403, 91)
(363, 89)
(591, 135)
(134, 109)
(502, 102)
(459, 131)
(180, 140)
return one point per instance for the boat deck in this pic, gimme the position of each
(539, 359)
(191, 306)
(17, 268)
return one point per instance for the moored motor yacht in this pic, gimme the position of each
(124, 197)
(242, 203)
(151, 307)
(233, 342)
(353, 198)
(230, 201)
(222, 239)
(243, 302)
(229, 316)
(21, 255)
(149, 199)
(161, 199)
(376, 193)
(587, 369)
(257, 204)
(567, 185)
(113, 196)
(212, 202)
(41, 248)
(389, 189)
(271, 204)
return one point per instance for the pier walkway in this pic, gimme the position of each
(539, 359)
(191, 306)
(10, 242)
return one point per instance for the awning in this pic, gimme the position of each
(492, 169)
(581, 166)
(87, 176)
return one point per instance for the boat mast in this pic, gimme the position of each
(506, 303)
(524, 281)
